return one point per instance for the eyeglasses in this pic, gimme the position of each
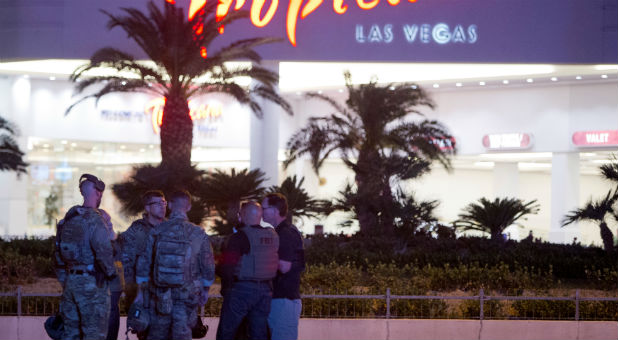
(161, 203)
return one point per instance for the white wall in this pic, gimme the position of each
(550, 113)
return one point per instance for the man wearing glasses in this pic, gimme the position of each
(133, 241)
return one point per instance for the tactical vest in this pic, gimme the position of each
(74, 239)
(262, 261)
(172, 258)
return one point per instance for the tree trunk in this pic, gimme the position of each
(368, 203)
(607, 237)
(176, 133)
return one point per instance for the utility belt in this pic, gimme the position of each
(80, 270)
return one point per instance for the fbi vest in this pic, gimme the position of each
(262, 261)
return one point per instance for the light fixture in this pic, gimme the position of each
(340, 90)
(122, 147)
(73, 144)
(151, 146)
(482, 83)
(414, 87)
(505, 82)
(64, 142)
(52, 78)
(604, 76)
(554, 79)
(123, 83)
(530, 80)
(392, 88)
(578, 78)
(435, 86)
(459, 84)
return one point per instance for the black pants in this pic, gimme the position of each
(114, 317)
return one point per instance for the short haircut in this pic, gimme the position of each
(278, 201)
(150, 194)
(180, 194)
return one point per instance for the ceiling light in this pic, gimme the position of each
(340, 90)
(578, 78)
(320, 92)
(505, 82)
(151, 146)
(604, 76)
(517, 155)
(528, 165)
(296, 76)
(52, 78)
(606, 67)
(482, 83)
(123, 83)
(554, 79)
(142, 150)
(46, 145)
(122, 147)
(459, 84)
(435, 86)
(73, 144)
(392, 88)
(530, 80)
(63, 142)
(414, 87)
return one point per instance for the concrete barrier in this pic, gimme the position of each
(31, 327)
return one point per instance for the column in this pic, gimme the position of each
(264, 147)
(564, 195)
(13, 196)
(506, 179)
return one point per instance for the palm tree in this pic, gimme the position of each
(597, 211)
(493, 217)
(11, 157)
(300, 204)
(179, 49)
(225, 191)
(376, 140)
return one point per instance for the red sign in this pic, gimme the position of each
(507, 141)
(293, 10)
(596, 138)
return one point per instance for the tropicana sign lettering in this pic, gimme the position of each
(294, 10)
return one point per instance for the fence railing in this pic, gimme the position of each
(389, 306)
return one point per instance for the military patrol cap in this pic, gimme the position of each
(199, 330)
(54, 326)
(98, 184)
(138, 318)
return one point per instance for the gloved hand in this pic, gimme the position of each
(203, 298)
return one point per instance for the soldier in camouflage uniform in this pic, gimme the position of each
(133, 241)
(179, 265)
(85, 264)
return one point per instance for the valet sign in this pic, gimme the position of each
(507, 141)
(596, 138)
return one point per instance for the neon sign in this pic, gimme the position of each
(197, 112)
(294, 10)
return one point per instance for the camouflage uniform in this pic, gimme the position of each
(83, 249)
(176, 308)
(133, 242)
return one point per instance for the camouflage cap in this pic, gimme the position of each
(138, 318)
(98, 184)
